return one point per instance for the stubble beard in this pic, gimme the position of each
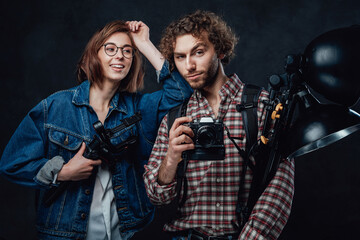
(209, 77)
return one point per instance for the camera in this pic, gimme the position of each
(99, 148)
(208, 139)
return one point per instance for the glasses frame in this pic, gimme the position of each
(117, 49)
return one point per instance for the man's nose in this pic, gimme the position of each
(190, 64)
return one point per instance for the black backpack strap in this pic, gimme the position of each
(248, 110)
(171, 210)
(174, 113)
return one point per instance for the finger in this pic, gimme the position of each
(184, 147)
(179, 121)
(183, 139)
(82, 149)
(180, 131)
(139, 24)
(96, 162)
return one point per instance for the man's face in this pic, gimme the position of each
(196, 60)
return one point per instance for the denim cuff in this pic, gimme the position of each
(164, 72)
(48, 173)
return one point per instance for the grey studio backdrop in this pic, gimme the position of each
(41, 42)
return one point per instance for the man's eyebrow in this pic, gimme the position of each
(194, 48)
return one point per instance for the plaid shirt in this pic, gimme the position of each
(213, 185)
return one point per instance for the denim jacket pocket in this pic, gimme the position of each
(63, 142)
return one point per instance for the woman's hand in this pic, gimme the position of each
(141, 35)
(140, 32)
(78, 168)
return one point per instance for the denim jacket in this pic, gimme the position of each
(57, 126)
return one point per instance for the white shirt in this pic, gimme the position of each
(103, 219)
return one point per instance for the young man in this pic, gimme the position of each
(197, 46)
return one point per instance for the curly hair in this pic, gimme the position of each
(219, 34)
(89, 66)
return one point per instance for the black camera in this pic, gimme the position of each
(208, 139)
(99, 148)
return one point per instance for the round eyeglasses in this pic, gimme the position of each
(111, 50)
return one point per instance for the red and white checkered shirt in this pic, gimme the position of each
(213, 186)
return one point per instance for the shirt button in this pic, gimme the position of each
(218, 180)
(217, 204)
(87, 191)
(83, 216)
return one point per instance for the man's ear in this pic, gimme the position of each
(221, 56)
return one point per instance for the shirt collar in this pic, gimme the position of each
(81, 97)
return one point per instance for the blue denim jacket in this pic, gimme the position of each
(58, 125)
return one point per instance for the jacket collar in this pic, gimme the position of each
(81, 98)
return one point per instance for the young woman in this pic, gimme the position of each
(104, 197)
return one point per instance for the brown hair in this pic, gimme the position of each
(89, 66)
(219, 34)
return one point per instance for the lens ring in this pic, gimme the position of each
(206, 135)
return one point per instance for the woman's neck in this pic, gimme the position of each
(100, 97)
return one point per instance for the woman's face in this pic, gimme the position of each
(116, 67)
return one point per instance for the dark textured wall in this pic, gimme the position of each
(41, 42)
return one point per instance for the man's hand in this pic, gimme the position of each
(78, 168)
(179, 141)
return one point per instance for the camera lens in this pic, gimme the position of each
(206, 135)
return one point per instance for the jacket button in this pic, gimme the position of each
(83, 216)
(87, 191)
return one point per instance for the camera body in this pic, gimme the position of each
(208, 139)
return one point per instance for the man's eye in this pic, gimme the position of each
(199, 52)
(179, 57)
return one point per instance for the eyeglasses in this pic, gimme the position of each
(111, 50)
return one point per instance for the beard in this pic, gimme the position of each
(208, 77)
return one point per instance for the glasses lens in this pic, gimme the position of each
(128, 52)
(110, 49)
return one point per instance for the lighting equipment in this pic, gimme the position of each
(296, 122)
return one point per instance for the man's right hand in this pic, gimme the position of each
(78, 168)
(180, 139)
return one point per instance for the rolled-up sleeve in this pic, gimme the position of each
(272, 210)
(159, 194)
